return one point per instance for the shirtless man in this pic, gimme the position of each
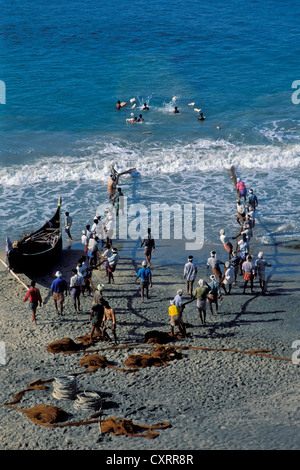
(109, 321)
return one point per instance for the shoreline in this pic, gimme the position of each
(240, 401)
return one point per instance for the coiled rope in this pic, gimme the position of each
(88, 401)
(65, 388)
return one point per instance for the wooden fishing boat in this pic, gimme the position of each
(40, 249)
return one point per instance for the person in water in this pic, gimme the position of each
(241, 188)
(201, 117)
(145, 108)
(140, 119)
(175, 110)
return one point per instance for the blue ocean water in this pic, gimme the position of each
(65, 65)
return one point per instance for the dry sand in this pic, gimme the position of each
(212, 399)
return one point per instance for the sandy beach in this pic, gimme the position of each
(234, 388)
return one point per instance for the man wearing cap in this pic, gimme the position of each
(214, 293)
(98, 296)
(241, 212)
(112, 264)
(241, 188)
(59, 287)
(252, 199)
(84, 241)
(175, 317)
(144, 274)
(260, 268)
(190, 273)
(226, 242)
(214, 263)
(248, 269)
(178, 299)
(228, 278)
(200, 294)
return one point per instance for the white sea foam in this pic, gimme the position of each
(200, 156)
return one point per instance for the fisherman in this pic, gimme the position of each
(111, 185)
(200, 294)
(251, 214)
(112, 264)
(68, 224)
(145, 276)
(214, 263)
(84, 270)
(178, 298)
(109, 229)
(260, 269)
(109, 322)
(190, 273)
(84, 241)
(228, 278)
(248, 269)
(59, 288)
(96, 317)
(76, 283)
(175, 317)
(252, 199)
(235, 263)
(241, 212)
(214, 293)
(241, 188)
(119, 200)
(92, 250)
(98, 296)
(34, 296)
(149, 243)
(226, 242)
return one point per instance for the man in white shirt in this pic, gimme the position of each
(76, 283)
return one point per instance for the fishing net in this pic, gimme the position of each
(44, 414)
(64, 345)
(95, 361)
(121, 426)
(160, 337)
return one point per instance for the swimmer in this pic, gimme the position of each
(145, 108)
(201, 117)
(175, 110)
(140, 119)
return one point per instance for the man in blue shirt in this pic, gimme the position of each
(144, 274)
(59, 286)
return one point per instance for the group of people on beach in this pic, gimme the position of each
(240, 261)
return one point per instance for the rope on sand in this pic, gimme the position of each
(88, 401)
(65, 388)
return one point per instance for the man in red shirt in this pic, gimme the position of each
(34, 296)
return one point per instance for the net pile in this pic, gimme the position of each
(64, 345)
(95, 361)
(158, 357)
(45, 414)
(121, 426)
(159, 337)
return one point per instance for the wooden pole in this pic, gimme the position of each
(14, 274)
